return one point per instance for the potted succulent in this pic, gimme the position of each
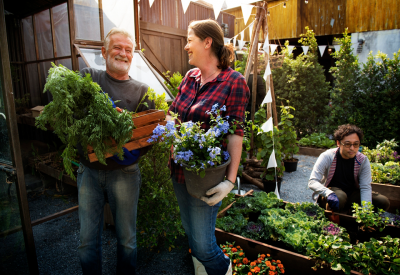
(288, 139)
(201, 153)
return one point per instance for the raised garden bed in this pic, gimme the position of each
(392, 192)
(311, 151)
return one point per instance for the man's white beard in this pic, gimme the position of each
(122, 67)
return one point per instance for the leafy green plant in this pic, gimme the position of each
(229, 224)
(384, 152)
(377, 110)
(345, 85)
(369, 219)
(317, 140)
(80, 114)
(227, 201)
(388, 173)
(174, 81)
(302, 79)
(287, 133)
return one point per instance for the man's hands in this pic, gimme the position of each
(129, 157)
(218, 192)
(333, 202)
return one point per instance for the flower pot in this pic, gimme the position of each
(290, 165)
(269, 185)
(197, 186)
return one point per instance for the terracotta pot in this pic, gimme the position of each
(197, 186)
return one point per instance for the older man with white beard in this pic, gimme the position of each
(119, 181)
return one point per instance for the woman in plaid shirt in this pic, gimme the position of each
(212, 82)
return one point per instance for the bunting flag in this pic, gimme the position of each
(259, 46)
(266, 45)
(242, 35)
(290, 48)
(267, 72)
(322, 50)
(217, 5)
(185, 5)
(241, 44)
(251, 29)
(272, 160)
(277, 191)
(151, 3)
(267, 126)
(273, 48)
(226, 40)
(267, 98)
(305, 49)
(337, 47)
(234, 41)
(246, 10)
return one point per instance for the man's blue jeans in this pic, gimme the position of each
(121, 187)
(198, 219)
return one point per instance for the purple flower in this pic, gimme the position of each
(332, 229)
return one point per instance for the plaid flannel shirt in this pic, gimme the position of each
(229, 88)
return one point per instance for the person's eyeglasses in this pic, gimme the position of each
(348, 144)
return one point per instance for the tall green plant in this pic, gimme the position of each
(287, 133)
(174, 81)
(346, 74)
(302, 80)
(377, 110)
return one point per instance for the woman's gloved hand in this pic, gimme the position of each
(333, 202)
(218, 192)
(129, 157)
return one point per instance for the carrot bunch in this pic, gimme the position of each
(243, 266)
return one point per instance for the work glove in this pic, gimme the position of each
(129, 157)
(333, 202)
(218, 192)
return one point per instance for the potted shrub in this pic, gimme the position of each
(288, 139)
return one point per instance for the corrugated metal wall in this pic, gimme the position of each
(170, 13)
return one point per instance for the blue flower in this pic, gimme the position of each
(226, 155)
(214, 108)
(223, 108)
(210, 162)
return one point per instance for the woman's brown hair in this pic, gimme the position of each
(210, 28)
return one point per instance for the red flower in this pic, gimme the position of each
(234, 250)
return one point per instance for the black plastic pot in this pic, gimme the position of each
(291, 166)
(269, 185)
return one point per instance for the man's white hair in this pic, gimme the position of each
(117, 31)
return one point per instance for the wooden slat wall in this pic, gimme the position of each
(318, 15)
(283, 21)
(372, 15)
(240, 25)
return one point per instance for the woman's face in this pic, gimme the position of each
(195, 48)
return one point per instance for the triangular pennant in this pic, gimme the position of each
(151, 3)
(277, 191)
(250, 30)
(217, 5)
(226, 40)
(305, 49)
(259, 45)
(185, 5)
(272, 160)
(273, 48)
(267, 98)
(246, 10)
(266, 44)
(267, 72)
(241, 44)
(337, 47)
(234, 41)
(267, 126)
(290, 48)
(322, 50)
(242, 35)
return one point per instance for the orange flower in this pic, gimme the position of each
(245, 261)
(253, 264)
(278, 261)
(239, 264)
(249, 273)
(259, 260)
(230, 245)
(224, 250)
(252, 270)
(238, 247)
(268, 255)
(272, 267)
(226, 255)
(273, 261)
(257, 269)
(241, 254)
(280, 266)
(271, 273)
(268, 263)
(190, 251)
(234, 250)
(282, 271)
(223, 246)
(234, 261)
(262, 256)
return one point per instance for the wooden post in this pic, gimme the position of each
(252, 35)
(275, 119)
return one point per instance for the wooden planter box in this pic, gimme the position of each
(145, 122)
(392, 192)
(294, 263)
(310, 151)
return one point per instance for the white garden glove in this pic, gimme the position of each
(218, 192)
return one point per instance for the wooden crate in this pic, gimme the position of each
(392, 192)
(145, 122)
(36, 111)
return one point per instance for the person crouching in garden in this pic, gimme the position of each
(342, 176)
(212, 83)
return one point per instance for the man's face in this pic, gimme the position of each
(351, 152)
(119, 55)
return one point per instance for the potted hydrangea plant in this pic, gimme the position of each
(200, 152)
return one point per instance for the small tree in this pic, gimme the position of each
(346, 74)
(302, 80)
